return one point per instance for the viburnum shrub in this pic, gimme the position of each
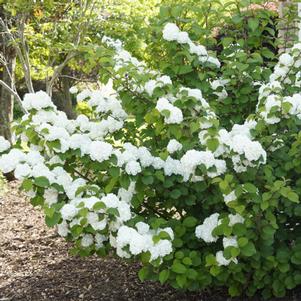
(152, 175)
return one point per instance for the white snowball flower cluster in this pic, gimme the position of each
(192, 159)
(219, 84)
(230, 242)
(235, 219)
(272, 105)
(100, 151)
(221, 260)
(174, 115)
(227, 242)
(83, 95)
(122, 57)
(141, 240)
(68, 211)
(37, 101)
(4, 144)
(197, 94)
(174, 146)
(159, 82)
(50, 196)
(238, 145)
(73, 90)
(96, 217)
(171, 32)
(204, 231)
(230, 197)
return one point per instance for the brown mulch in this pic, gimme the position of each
(35, 265)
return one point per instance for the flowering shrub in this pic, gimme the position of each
(152, 175)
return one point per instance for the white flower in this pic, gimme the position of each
(50, 196)
(230, 197)
(221, 260)
(83, 95)
(73, 90)
(165, 80)
(230, 242)
(100, 151)
(235, 219)
(150, 87)
(4, 144)
(38, 101)
(175, 114)
(141, 241)
(161, 249)
(8, 162)
(199, 50)
(183, 37)
(142, 228)
(22, 171)
(132, 168)
(87, 240)
(63, 229)
(204, 231)
(170, 32)
(286, 60)
(68, 211)
(99, 239)
(173, 146)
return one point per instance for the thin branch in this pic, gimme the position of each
(57, 72)
(15, 94)
(26, 55)
(23, 60)
(79, 79)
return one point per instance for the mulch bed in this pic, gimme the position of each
(35, 265)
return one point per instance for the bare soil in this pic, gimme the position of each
(35, 265)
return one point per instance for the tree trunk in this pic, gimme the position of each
(6, 98)
(66, 100)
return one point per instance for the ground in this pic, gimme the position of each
(35, 265)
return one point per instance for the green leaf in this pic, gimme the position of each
(191, 274)
(27, 185)
(178, 268)
(109, 187)
(53, 220)
(234, 291)
(124, 181)
(249, 187)
(292, 196)
(187, 261)
(181, 280)
(99, 205)
(175, 194)
(190, 222)
(143, 273)
(41, 182)
(113, 211)
(148, 180)
(212, 144)
(114, 172)
(253, 23)
(163, 276)
(248, 250)
(242, 241)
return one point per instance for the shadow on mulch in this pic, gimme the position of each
(92, 279)
(105, 279)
